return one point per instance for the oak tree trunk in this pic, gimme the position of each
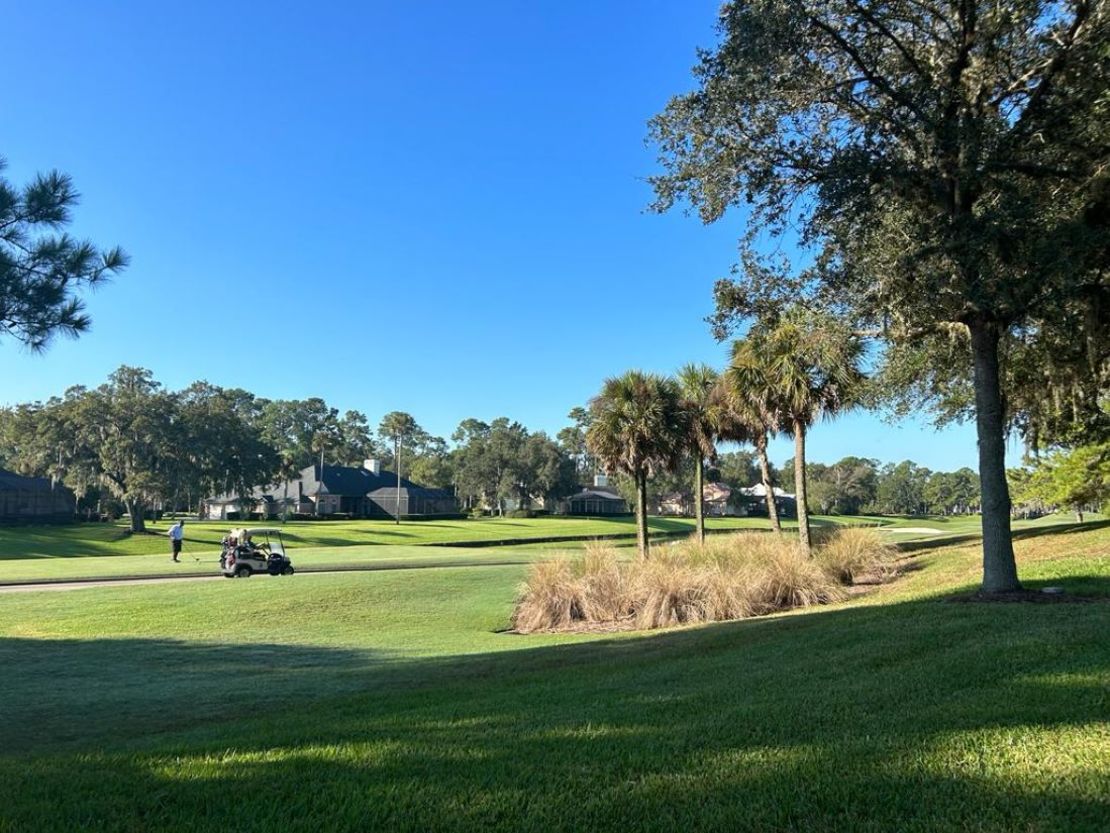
(999, 567)
(800, 482)
(135, 512)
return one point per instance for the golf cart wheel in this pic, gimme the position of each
(228, 575)
(288, 571)
(243, 571)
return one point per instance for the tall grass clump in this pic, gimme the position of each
(727, 577)
(566, 593)
(853, 551)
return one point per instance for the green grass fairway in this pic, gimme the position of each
(204, 536)
(391, 701)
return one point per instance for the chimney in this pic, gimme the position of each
(372, 466)
(601, 480)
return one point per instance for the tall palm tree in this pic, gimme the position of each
(810, 369)
(399, 427)
(746, 414)
(696, 383)
(638, 428)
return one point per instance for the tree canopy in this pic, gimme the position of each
(932, 161)
(42, 269)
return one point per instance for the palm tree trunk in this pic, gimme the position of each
(800, 482)
(699, 497)
(999, 567)
(397, 460)
(765, 474)
(641, 514)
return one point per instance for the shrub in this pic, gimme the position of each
(851, 552)
(728, 577)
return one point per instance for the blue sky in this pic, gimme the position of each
(434, 207)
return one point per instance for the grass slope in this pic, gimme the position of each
(390, 701)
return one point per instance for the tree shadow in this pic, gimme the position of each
(868, 717)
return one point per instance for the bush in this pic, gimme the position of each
(728, 577)
(852, 551)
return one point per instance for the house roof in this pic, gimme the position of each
(343, 481)
(596, 493)
(9, 480)
(716, 491)
(758, 491)
(351, 482)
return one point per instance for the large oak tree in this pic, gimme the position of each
(943, 166)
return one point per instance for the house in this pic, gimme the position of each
(34, 500)
(366, 492)
(674, 503)
(752, 500)
(717, 501)
(599, 499)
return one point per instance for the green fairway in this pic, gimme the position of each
(203, 537)
(392, 701)
(208, 563)
(61, 553)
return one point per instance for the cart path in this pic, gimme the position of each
(123, 581)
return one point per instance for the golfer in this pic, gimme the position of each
(177, 534)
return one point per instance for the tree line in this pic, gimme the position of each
(132, 441)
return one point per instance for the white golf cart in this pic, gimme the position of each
(248, 551)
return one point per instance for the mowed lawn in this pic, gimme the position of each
(103, 551)
(203, 537)
(394, 701)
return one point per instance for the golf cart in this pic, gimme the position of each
(250, 551)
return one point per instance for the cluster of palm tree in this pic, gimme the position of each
(782, 377)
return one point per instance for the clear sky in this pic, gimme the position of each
(436, 207)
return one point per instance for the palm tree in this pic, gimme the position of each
(809, 368)
(696, 383)
(746, 414)
(637, 428)
(399, 427)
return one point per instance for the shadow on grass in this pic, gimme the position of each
(911, 716)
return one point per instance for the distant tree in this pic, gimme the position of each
(41, 270)
(355, 440)
(844, 487)
(299, 429)
(474, 469)
(808, 366)
(1075, 478)
(637, 428)
(951, 492)
(902, 488)
(945, 164)
(546, 470)
(431, 463)
(220, 449)
(735, 468)
(572, 439)
(696, 384)
(127, 435)
(398, 428)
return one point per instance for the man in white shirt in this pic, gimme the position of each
(177, 534)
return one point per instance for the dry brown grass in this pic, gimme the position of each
(852, 552)
(727, 577)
